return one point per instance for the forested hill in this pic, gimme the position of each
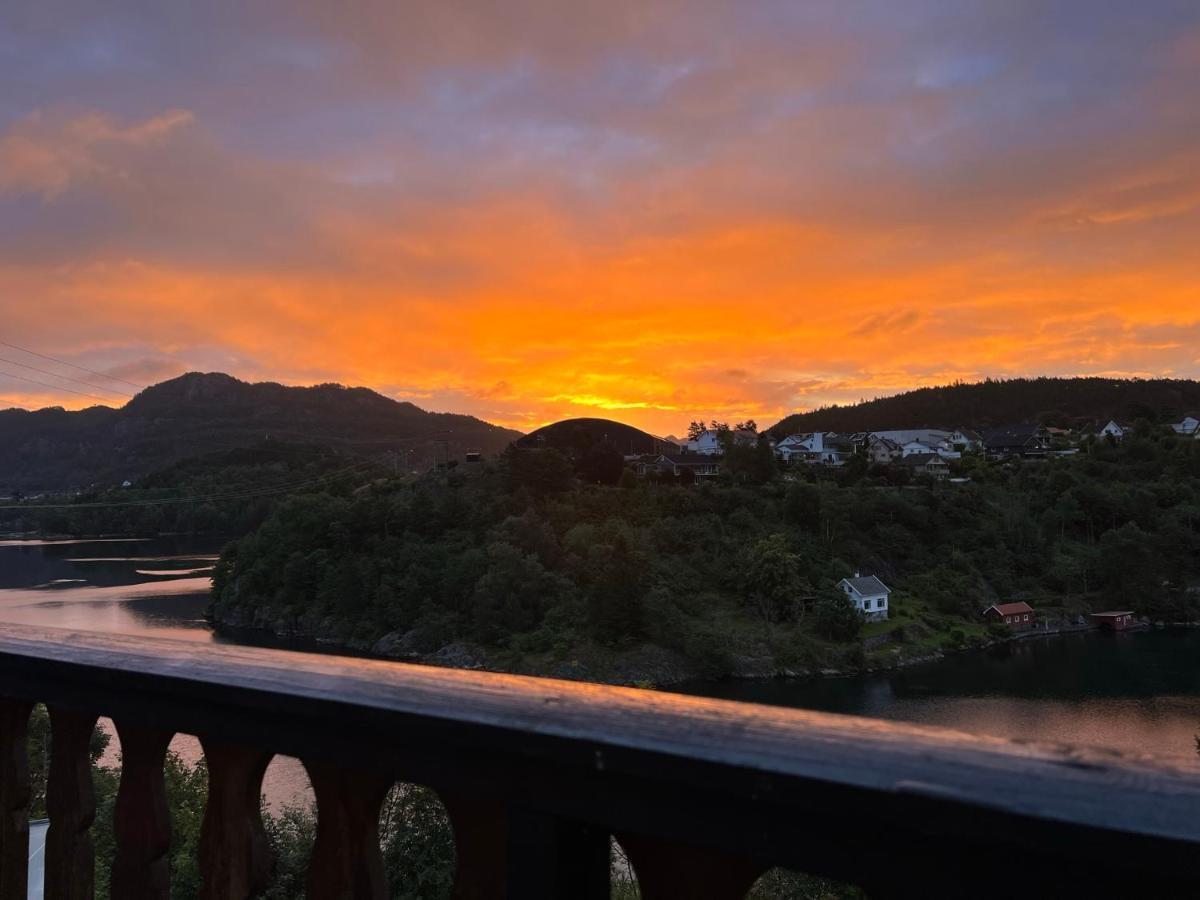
(577, 435)
(1061, 401)
(53, 449)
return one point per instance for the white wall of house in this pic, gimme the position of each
(706, 444)
(873, 606)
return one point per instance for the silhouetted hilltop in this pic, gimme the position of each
(1056, 401)
(53, 449)
(579, 434)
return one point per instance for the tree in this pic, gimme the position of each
(835, 617)
(773, 580)
(600, 463)
(695, 429)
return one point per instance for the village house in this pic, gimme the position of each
(1016, 440)
(965, 440)
(881, 450)
(825, 448)
(1112, 430)
(708, 442)
(930, 464)
(869, 595)
(1017, 616)
(699, 465)
(1188, 426)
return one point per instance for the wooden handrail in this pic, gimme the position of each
(539, 773)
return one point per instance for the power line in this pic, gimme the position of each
(140, 387)
(55, 387)
(13, 362)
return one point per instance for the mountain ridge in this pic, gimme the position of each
(992, 402)
(195, 413)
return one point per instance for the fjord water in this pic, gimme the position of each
(154, 588)
(1136, 693)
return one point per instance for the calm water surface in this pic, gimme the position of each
(155, 588)
(1137, 693)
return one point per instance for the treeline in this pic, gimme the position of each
(225, 493)
(526, 560)
(1050, 401)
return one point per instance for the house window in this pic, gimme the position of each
(1026, 617)
(1008, 619)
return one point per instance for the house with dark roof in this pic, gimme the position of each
(869, 595)
(1016, 440)
(930, 464)
(1018, 616)
(965, 440)
(700, 465)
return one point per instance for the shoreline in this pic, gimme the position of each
(646, 665)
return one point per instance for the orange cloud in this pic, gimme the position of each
(527, 216)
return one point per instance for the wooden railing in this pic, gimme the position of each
(539, 775)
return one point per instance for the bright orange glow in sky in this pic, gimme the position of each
(650, 212)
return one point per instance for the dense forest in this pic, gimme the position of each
(225, 493)
(529, 564)
(1049, 401)
(55, 450)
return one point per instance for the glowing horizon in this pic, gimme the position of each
(653, 213)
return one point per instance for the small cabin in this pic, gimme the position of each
(869, 595)
(1113, 620)
(1018, 616)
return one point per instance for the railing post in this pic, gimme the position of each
(71, 806)
(142, 822)
(510, 851)
(668, 871)
(14, 798)
(346, 861)
(235, 858)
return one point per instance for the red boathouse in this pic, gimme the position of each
(1116, 620)
(1018, 616)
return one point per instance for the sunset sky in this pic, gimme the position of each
(651, 211)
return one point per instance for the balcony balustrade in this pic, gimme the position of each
(538, 776)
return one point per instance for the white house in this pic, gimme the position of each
(709, 442)
(706, 443)
(1112, 430)
(868, 594)
(815, 447)
(882, 450)
(965, 440)
(1188, 427)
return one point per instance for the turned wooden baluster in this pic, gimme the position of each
(141, 822)
(480, 845)
(346, 862)
(510, 851)
(14, 798)
(71, 805)
(668, 871)
(235, 857)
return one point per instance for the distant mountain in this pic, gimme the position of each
(579, 434)
(53, 449)
(1051, 401)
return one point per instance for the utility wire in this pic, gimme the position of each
(13, 362)
(54, 387)
(140, 387)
